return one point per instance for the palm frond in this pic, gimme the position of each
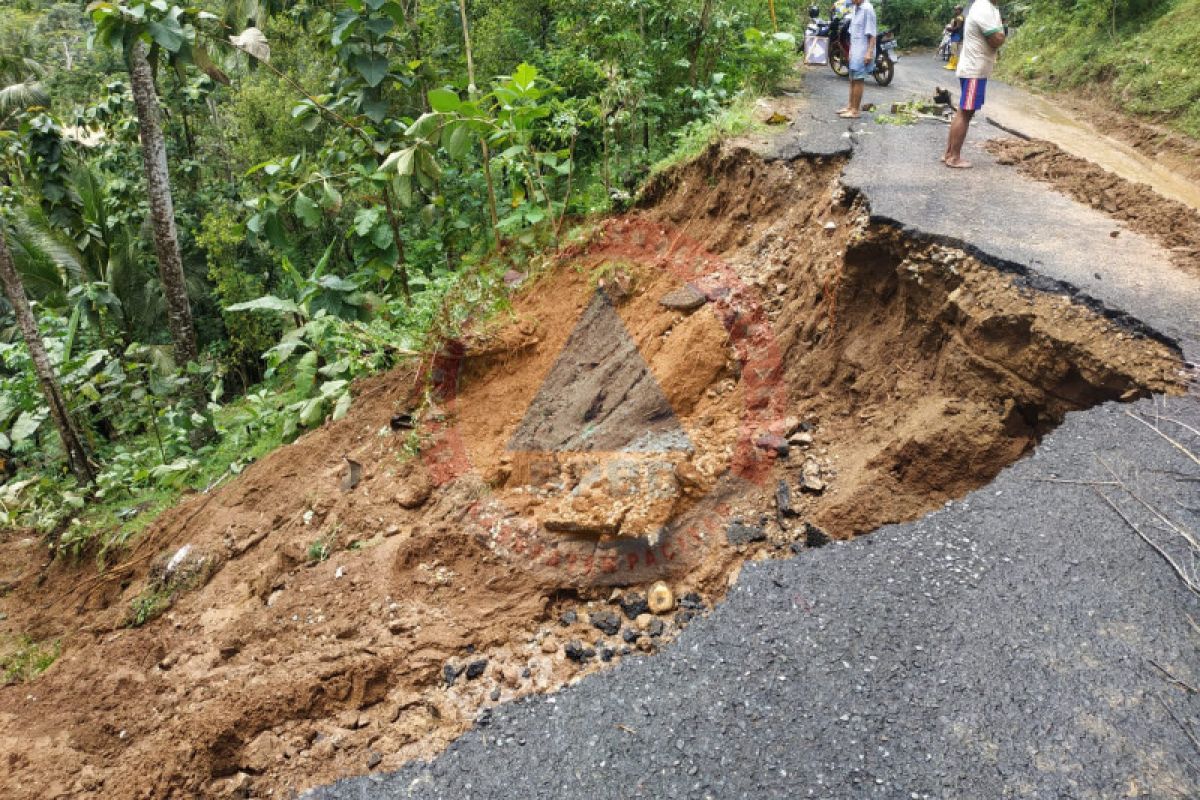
(20, 96)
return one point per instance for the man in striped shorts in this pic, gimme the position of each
(983, 34)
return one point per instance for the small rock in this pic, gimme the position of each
(339, 572)
(643, 621)
(660, 598)
(692, 600)
(634, 604)
(810, 480)
(397, 626)
(513, 279)
(495, 695)
(605, 621)
(645, 644)
(685, 298)
(606, 654)
(740, 533)
(373, 759)
(629, 635)
(814, 536)
(783, 500)
(684, 617)
(800, 439)
(772, 442)
(476, 668)
(450, 674)
(391, 530)
(549, 645)
(568, 618)
(657, 626)
(576, 651)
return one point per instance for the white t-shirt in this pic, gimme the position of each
(978, 58)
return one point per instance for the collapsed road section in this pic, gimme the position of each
(746, 368)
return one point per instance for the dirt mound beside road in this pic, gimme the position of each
(1173, 224)
(836, 377)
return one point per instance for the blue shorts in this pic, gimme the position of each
(862, 74)
(973, 92)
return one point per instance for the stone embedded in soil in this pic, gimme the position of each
(800, 439)
(692, 600)
(577, 652)
(814, 536)
(568, 618)
(783, 499)
(605, 621)
(772, 442)
(476, 668)
(450, 674)
(660, 598)
(740, 533)
(656, 627)
(629, 635)
(811, 480)
(549, 645)
(606, 654)
(634, 604)
(684, 617)
(495, 695)
(685, 298)
(643, 621)
(373, 759)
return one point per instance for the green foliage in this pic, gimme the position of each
(23, 659)
(320, 549)
(918, 22)
(1144, 49)
(344, 201)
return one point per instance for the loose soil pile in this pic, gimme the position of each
(810, 377)
(1173, 224)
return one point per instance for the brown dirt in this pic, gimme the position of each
(915, 372)
(1172, 224)
(1176, 150)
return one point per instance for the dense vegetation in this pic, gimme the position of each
(216, 217)
(1144, 55)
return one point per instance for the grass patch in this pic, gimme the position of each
(1149, 60)
(693, 139)
(26, 659)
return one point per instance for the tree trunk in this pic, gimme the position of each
(14, 290)
(162, 208)
(698, 42)
(166, 239)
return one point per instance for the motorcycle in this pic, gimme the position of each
(838, 31)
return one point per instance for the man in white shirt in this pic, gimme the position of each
(862, 55)
(983, 34)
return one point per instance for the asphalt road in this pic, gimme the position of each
(1022, 642)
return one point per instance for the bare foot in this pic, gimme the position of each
(849, 115)
(844, 110)
(957, 163)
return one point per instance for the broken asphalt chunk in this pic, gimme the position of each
(740, 533)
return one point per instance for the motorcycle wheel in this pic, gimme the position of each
(885, 70)
(837, 61)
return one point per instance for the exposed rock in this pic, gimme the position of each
(685, 298)
(692, 600)
(660, 598)
(568, 617)
(413, 492)
(629, 635)
(476, 668)
(634, 604)
(450, 674)
(643, 621)
(814, 536)
(783, 500)
(605, 621)
(549, 645)
(772, 442)
(811, 480)
(373, 759)
(740, 533)
(577, 652)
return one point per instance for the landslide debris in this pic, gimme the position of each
(837, 377)
(1173, 224)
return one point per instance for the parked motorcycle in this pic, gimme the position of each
(838, 31)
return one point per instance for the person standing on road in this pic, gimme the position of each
(956, 37)
(983, 35)
(862, 55)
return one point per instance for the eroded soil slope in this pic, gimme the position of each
(760, 371)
